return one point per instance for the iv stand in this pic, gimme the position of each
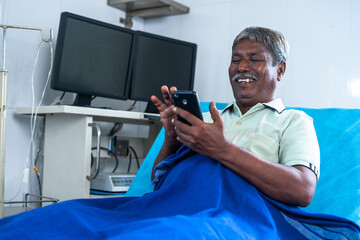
(3, 88)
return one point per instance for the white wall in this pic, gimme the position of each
(323, 68)
(21, 50)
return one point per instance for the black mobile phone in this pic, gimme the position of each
(189, 101)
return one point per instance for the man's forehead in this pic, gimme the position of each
(249, 46)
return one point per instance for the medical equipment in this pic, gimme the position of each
(112, 182)
(3, 88)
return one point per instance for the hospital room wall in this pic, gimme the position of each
(21, 49)
(323, 69)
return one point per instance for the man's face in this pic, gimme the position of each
(257, 77)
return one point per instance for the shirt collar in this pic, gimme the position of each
(275, 104)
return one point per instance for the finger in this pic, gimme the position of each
(173, 89)
(215, 115)
(166, 95)
(192, 119)
(157, 103)
(182, 132)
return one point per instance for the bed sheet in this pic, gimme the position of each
(197, 198)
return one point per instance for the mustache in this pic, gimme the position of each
(244, 75)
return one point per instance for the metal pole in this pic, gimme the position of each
(3, 82)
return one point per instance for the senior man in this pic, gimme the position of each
(273, 148)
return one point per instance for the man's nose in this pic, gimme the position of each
(243, 66)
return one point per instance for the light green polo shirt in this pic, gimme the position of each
(273, 133)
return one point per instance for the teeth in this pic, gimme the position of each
(245, 80)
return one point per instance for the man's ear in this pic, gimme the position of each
(281, 70)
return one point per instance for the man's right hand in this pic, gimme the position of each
(166, 113)
(171, 144)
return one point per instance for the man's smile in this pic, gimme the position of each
(245, 80)
(244, 77)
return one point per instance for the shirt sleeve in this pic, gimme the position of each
(299, 144)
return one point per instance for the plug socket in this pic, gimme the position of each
(121, 147)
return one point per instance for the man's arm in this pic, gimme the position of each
(171, 144)
(290, 185)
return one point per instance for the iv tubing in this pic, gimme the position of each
(3, 82)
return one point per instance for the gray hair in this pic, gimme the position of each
(273, 40)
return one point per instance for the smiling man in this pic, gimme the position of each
(273, 148)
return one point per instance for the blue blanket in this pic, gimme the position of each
(195, 198)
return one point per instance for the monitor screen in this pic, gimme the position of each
(161, 61)
(92, 58)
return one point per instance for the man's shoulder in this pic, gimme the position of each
(296, 114)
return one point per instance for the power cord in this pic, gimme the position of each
(109, 152)
(130, 159)
(118, 125)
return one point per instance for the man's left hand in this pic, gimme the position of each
(205, 138)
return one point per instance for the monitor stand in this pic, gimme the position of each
(83, 100)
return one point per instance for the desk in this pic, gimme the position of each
(67, 145)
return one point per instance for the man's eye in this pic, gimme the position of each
(235, 60)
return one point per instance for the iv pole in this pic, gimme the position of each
(3, 88)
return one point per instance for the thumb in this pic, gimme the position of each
(215, 115)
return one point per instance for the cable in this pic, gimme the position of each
(109, 152)
(41, 139)
(62, 96)
(132, 106)
(136, 157)
(58, 100)
(34, 114)
(39, 182)
(31, 149)
(117, 127)
(129, 165)
(22, 184)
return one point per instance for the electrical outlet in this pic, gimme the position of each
(121, 147)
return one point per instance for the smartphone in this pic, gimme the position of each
(189, 101)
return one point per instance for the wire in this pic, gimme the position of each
(41, 139)
(117, 127)
(136, 157)
(31, 150)
(22, 184)
(62, 96)
(34, 114)
(132, 106)
(129, 166)
(109, 152)
(38, 178)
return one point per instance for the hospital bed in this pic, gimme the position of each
(200, 199)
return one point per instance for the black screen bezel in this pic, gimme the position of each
(156, 89)
(56, 83)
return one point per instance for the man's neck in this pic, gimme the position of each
(244, 107)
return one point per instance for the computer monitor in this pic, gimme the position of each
(161, 61)
(92, 58)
